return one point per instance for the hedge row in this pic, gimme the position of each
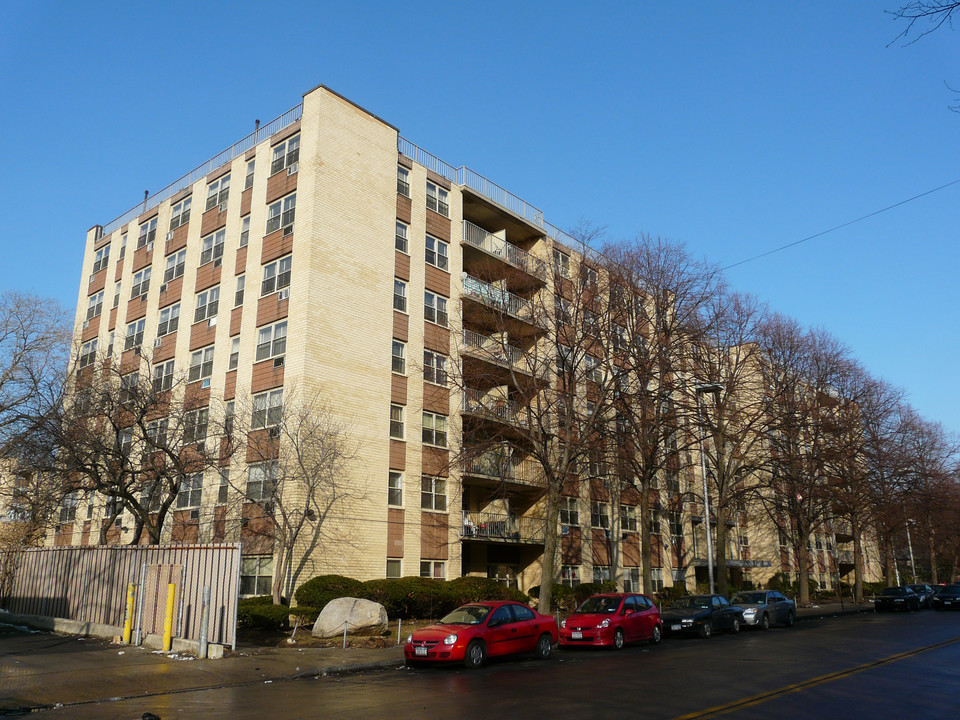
(566, 598)
(406, 598)
(261, 614)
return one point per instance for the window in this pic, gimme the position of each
(141, 284)
(434, 368)
(591, 322)
(238, 294)
(561, 263)
(68, 512)
(589, 276)
(393, 568)
(395, 489)
(594, 371)
(191, 488)
(631, 579)
(403, 181)
(656, 577)
(435, 308)
(123, 246)
(601, 573)
(437, 199)
(95, 306)
(599, 515)
(433, 493)
(245, 231)
(570, 575)
(261, 480)
(285, 155)
(148, 232)
(126, 441)
(432, 569)
(434, 429)
(224, 487)
(396, 422)
(180, 215)
(116, 294)
(256, 575)
(654, 521)
(437, 253)
(229, 413)
(163, 376)
(628, 518)
(399, 295)
(201, 364)
(564, 360)
(110, 340)
(401, 241)
(399, 358)
(134, 334)
(562, 310)
(88, 353)
(169, 320)
(208, 303)
(744, 541)
(195, 426)
(218, 191)
(129, 386)
(234, 353)
(101, 258)
(211, 247)
(281, 213)
(272, 341)
(175, 265)
(267, 409)
(248, 180)
(569, 511)
(276, 275)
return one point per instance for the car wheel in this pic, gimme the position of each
(765, 622)
(657, 636)
(544, 647)
(475, 656)
(790, 619)
(705, 630)
(735, 627)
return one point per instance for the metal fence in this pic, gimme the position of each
(89, 584)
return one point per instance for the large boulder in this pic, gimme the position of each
(358, 614)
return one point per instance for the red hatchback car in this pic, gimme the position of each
(474, 632)
(612, 620)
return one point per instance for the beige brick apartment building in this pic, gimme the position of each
(325, 253)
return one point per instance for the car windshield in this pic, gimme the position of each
(466, 615)
(893, 592)
(750, 597)
(918, 588)
(599, 605)
(692, 601)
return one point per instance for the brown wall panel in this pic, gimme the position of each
(178, 241)
(276, 245)
(404, 208)
(236, 316)
(208, 275)
(142, 258)
(230, 385)
(172, 293)
(270, 309)
(279, 184)
(436, 399)
(92, 329)
(601, 547)
(136, 309)
(436, 338)
(260, 446)
(185, 530)
(398, 390)
(401, 326)
(433, 536)
(98, 282)
(398, 455)
(212, 220)
(246, 199)
(438, 225)
(438, 281)
(631, 550)
(435, 461)
(256, 530)
(201, 335)
(113, 319)
(571, 548)
(167, 349)
(119, 273)
(394, 533)
(402, 266)
(266, 376)
(241, 266)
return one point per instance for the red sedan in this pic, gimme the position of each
(612, 620)
(474, 632)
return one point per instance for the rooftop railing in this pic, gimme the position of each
(238, 148)
(497, 246)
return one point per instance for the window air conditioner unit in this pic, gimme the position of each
(288, 230)
(223, 207)
(293, 168)
(606, 534)
(278, 362)
(268, 507)
(212, 322)
(564, 529)
(92, 275)
(195, 514)
(118, 522)
(163, 288)
(284, 294)
(150, 246)
(205, 383)
(158, 342)
(218, 262)
(170, 236)
(136, 350)
(86, 324)
(274, 432)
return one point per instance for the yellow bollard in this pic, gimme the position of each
(128, 622)
(168, 620)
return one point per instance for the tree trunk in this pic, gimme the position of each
(804, 571)
(857, 563)
(889, 570)
(720, 551)
(548, 563)
(646, 552)
(279, 572)
(931, 543)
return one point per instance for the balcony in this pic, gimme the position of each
(506, 358)
(842, 531)
(502, 465)
(493, 527)
(498, 298)
(498, 409)
(492, 245)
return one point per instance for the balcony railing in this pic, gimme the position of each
(494, 526)
(476, 402)
(492, 350)
(508, 252)
(503, 465)
(497, 297)
(845, 556)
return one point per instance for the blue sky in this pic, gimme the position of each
(734, 127)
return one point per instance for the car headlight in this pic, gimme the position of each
(688, 622)
(605, 623)
(450, 639)
(749, 612)
(563, 623)
(410, 638)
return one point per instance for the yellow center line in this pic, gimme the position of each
(812, 682)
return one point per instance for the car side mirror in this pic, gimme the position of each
(494, 622)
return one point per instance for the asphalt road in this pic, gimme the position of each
(864, 666)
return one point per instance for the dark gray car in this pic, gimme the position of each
(762, 608)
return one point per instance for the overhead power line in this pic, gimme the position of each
(843, 225)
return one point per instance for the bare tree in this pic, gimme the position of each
(298, 457)
(930, 14)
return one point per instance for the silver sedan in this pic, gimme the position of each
(762, 608)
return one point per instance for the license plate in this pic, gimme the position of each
(420, 651)
(947, 602)
(674, 627)
(577, 635)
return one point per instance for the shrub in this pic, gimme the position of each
(306, 613)
(474, 589)
(253, 613)
(668, 594)
(585, 590)
(318, 591)
(562, 596)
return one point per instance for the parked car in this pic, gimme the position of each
(474, 632)
(948, 598)
(924, 592)
(612, 620)
(897, 598)
(701, 614)
(761, 608)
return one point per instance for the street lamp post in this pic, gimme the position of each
(913, 567)
(701, 388)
